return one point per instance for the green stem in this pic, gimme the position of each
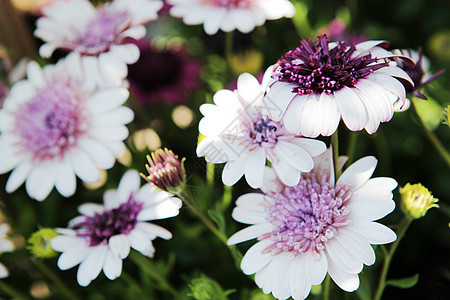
(228, 45)
(430, 135)
(352, 147)
(9, 290)
(186, 200)
(403, 226)
(326, 287)
(149, 270)
(55, 279)
(210, 168)
(227, 197)
(335, 148)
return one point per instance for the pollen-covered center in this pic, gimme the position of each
(51, 122)
(230, 3)
(306, 216)
(100, 227)
(315, 68)
(102, 32)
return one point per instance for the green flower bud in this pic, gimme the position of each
(416, 200)
(204, 288)
(39, 243)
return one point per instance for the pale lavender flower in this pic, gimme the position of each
(57, 124)
(101, 35)
(315, 227)
(102, 237)
(238, 134)
(228, 15)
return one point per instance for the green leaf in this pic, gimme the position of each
(404, 283)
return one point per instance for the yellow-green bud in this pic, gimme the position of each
(416, 200)
(204, 288)
(39, 243)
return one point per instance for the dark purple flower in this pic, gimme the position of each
(163, 75)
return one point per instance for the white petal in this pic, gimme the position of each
(153, 230)
(371, 210)
(162, 210)
(375, 233)
(129, 183)
(234, 170)
(343, 258)
(62, 243)
(311, 146)
(352, 110)
(73, 256)
(140, 242)
(248, 216)
(90, 209)
(277, 100)
(358, 173)
(113, 266)
(294, 155)
(40, 182)
(250, 200)
(83, 166)
(249, 89)
(7, 153)
(298, 280)
(213, 20)
(254, 260)
(280, 289)
(92, 265)
(119, 245)
(3, 271)
(107, 99)
(254, 167)
(357, 245)
(65, 181)
(291, 117)
(347, 281)
(18, 176)
(250, 233)
(316, 267)
(287, 173)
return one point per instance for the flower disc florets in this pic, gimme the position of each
(306, 216)
(318, 68)
(100, 227)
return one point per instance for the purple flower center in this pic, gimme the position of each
(264, 131)
(99, 228)
(315, 68)
(51, 122)
(230, 3)
(306, 216)
(102, 32)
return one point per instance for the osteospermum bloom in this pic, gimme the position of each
(101, 35)
(317, 84)
(163, 75)
(5, 246)
(228, 15)
(315, 227)
(102, 237)
(236, 132)
(57, 124)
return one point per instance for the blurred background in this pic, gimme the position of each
(181, 68)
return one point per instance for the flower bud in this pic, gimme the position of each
(165, 170)
(416, 200)
(39, 243)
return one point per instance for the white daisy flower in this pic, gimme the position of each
(57, 124)
(104, 234)
(316, 227)
(237, 133)
(317, 84)
(5, 246)
(98, 34)
(228, 15)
